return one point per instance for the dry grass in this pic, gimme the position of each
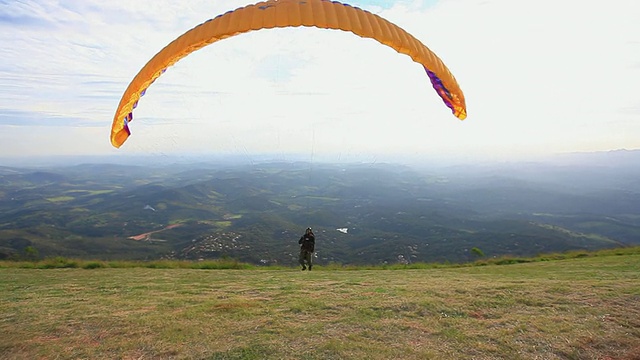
(585, 308)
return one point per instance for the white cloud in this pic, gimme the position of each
(543, 76)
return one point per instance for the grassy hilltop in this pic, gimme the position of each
(580, 308)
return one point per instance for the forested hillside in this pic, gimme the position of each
(361, 213)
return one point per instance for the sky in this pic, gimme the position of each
(540, 77)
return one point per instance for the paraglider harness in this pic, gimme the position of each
(308, 242)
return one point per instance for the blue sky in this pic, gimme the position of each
(540, 77)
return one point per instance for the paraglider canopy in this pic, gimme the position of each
(322, 14)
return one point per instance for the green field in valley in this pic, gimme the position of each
(583, 308)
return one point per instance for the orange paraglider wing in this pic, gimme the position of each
(323, 14)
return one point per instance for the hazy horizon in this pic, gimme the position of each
(612, 157)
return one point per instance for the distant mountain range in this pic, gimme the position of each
(361, 213)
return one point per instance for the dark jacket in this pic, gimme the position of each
(308, 242)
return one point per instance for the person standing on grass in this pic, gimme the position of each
(307, 247)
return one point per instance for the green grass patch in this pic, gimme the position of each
(90, 192)
(60, 199)
(322, 198)
(222, 224)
